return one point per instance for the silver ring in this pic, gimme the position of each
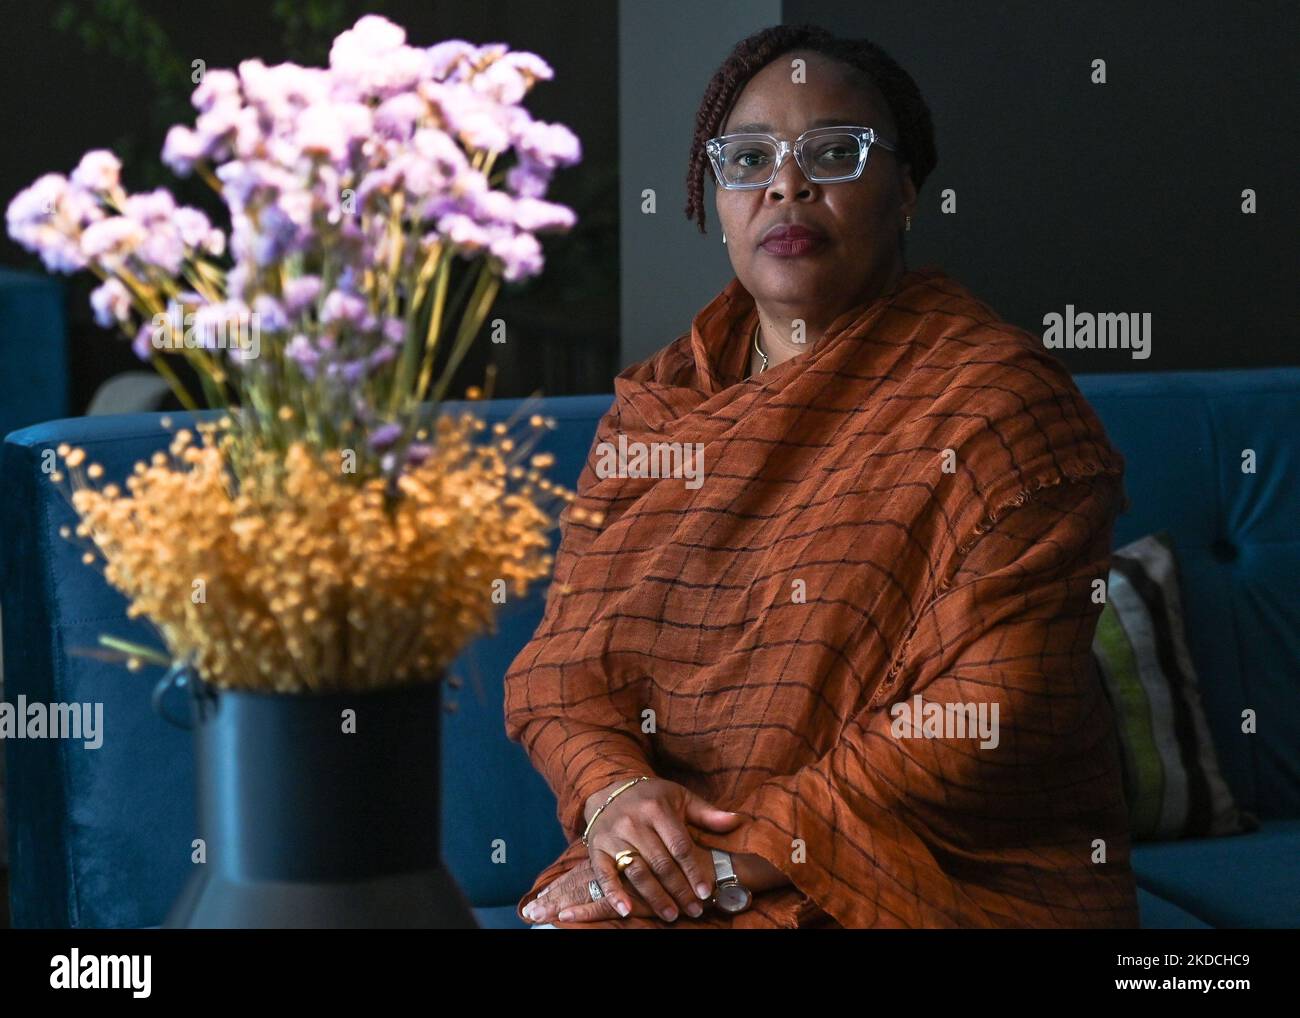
(593, 888)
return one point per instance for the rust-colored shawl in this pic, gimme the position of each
(918, 506)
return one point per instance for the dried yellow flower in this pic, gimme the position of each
(298, 577)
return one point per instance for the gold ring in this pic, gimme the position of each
(624, 859)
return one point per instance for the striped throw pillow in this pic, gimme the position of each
(1172, 779)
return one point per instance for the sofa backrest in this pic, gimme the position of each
(102, 837)
(1185, 437)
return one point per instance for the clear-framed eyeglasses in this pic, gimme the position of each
(825, 155)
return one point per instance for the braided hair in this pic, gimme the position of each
(909, 110)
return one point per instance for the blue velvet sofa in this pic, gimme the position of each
(100, 838)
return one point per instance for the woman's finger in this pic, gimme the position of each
(691, 874)
(572, 895)
(672, 847)
(651, 864)
(570, 889)
(588, 913)
(615, 894)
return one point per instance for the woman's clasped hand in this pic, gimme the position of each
(669, 872)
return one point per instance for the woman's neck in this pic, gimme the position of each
(787, 330)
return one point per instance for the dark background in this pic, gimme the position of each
(1120, 197)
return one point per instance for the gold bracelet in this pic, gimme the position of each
(621, 788)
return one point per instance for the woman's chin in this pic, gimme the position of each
(799, 283)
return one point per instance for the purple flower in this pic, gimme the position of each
(418, 452)
(278, 92)
(385, 435)
(503, 82)
(45, 217)
(530, 64)
(382, 181)
(551, 145)
(38, 203)
(372, 59)
(196, 232)
(215, 127)
(462, 231)
(270, 314)
(210, 325)
(350, 372)
(246, 181)
(182, 148)
(371, 38)
(332, 130)
(299, 294)
(112, 238)
(442, 152)
(295, 206)
(270, 240)
(384, 355)
(474, 117)
(111, 302)
(348, 279)
(217, 86)
(520, 254)
(528, 178)
(223, 326)
(162, 244)
(142, 346)
(493, 206)
(397, 116)
(445, 56)
(532, 215)
(163, 249)
(343, 307)
(237, 280)
(300, 351)
(98, 171)
(151, 207)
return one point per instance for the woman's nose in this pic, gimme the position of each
(789, 180)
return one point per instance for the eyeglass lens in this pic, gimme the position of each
(827, 157)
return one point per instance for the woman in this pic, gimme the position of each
(854, 658)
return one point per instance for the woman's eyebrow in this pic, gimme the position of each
(819, 122)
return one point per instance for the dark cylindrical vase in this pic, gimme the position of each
(319, 811)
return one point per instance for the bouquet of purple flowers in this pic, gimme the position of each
(351, 189)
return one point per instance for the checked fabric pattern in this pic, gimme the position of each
(917, 506)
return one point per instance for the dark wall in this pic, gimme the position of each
(63, 95)
(1122, 197)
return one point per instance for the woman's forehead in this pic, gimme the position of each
(778, 100)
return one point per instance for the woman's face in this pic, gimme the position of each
(860, 219)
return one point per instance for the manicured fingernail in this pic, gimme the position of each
(670, 914)
(543, 891)
(565, 915)
(702, 891)
(528, 911)
(695, 909)
(622, 907)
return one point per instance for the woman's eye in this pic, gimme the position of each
(835, 153)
